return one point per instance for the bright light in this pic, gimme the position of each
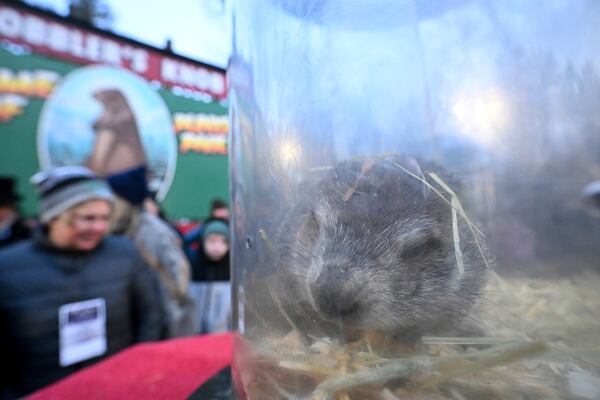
(289, 152)
(481, 115)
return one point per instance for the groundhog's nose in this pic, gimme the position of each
(334, 295)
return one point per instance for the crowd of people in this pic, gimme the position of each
(98, 271)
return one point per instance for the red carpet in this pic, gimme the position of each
(171, 369)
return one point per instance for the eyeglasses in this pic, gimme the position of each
(88, 219)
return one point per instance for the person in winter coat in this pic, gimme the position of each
(71, 295)
(210, 278)
(12, 226)
(159, 246)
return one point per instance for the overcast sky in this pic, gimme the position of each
(198, 28)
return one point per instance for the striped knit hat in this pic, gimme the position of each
(62, 188)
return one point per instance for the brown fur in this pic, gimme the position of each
(117, 144)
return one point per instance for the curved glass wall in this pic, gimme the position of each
(414, 199)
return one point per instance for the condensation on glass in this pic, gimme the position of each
(415, 195)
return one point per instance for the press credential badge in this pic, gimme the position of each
(82, 331)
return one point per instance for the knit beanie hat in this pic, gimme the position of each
(215, 227)
(130, 185)
(62, 188)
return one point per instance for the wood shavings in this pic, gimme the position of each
(378, 367)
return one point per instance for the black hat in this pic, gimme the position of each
(130, 184)
(217, 203)
(8, 196)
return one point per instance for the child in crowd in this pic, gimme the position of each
(210, 285)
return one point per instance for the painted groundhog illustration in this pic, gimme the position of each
(117, 144)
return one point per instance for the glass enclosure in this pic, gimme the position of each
(409, 212)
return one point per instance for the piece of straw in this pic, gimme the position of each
(398, 369)
(468, 341)
(457, 251)
(367, 165)
(517, 352)
(460, 209)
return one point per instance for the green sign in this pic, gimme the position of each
(57, 110)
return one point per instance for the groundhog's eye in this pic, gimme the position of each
(421, 249)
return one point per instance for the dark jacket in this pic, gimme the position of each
(37, 278)
(206, 270)
(16, 232)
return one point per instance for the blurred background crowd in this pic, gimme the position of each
(105, 239)
(114, 220)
